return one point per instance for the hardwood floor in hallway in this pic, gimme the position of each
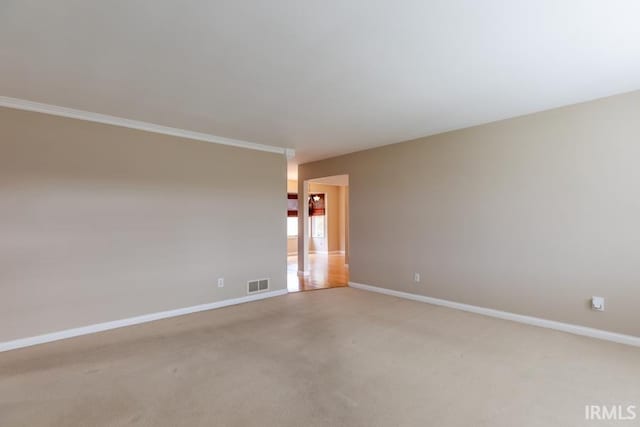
(327, 271)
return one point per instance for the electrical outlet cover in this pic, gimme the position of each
(597, 303)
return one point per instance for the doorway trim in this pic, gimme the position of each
(303, 218)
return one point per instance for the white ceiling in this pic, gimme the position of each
(324, 77)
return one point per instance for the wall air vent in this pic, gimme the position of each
(257, 285)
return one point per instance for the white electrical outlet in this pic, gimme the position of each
(597, 303)
(221, 282)
(416, 277)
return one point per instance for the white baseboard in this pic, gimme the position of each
(535, 321)
(99, 327)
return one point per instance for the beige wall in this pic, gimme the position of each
(99, 223)
(531, 215)
(343, 231)
(331, 242)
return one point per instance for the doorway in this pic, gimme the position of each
(326, 214)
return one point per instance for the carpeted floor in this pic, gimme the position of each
(336, 357)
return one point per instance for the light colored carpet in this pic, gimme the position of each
(337, 357)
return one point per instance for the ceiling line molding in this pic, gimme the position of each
(23, 104)
(290, 153)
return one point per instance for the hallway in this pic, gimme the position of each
(327, 271)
